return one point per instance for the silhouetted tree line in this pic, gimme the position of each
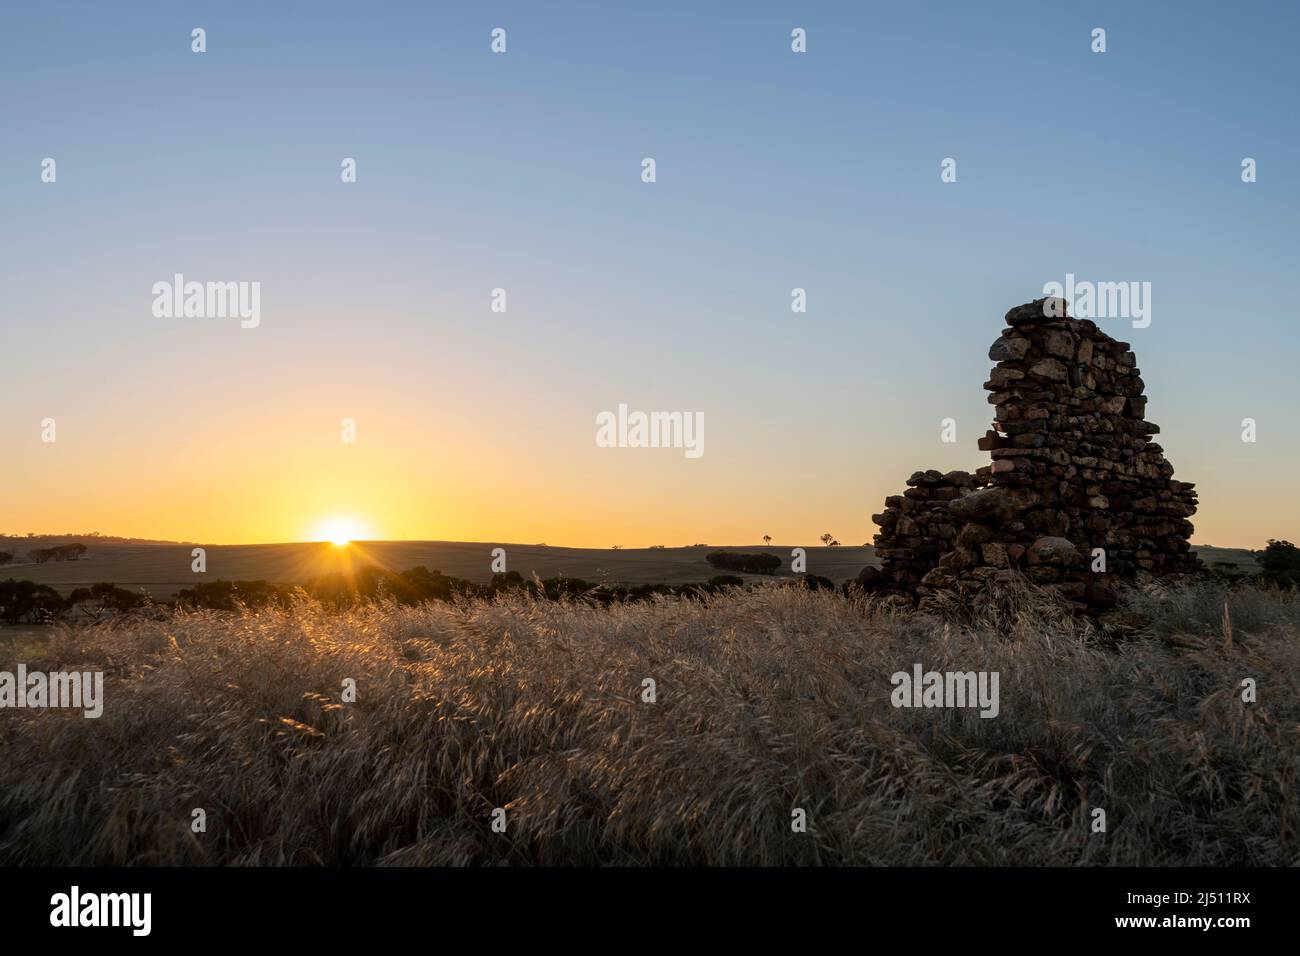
(63, 552)
(23, 602)
(26, 602)
(419, 584)
(745, 563)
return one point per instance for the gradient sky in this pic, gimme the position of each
(522, 171)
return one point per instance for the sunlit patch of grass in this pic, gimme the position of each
(25, 646)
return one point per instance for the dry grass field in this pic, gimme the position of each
(767, 700)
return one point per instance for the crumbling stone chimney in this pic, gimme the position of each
(1077, 496)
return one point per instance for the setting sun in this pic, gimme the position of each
(340, 531)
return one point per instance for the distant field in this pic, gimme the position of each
(1243, 559)
(164, 569)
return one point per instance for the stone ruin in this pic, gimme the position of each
(1074, 469)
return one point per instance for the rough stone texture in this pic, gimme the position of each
(1073, 469)
(916, 527)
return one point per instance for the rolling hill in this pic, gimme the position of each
(163, 569)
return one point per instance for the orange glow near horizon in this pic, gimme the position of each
(268, 473)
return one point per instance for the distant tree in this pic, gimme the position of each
(41, 555)
(656, 547)
(1280, 563)
(115, 598)
(5, 557)
(833, 544)
(827, 539)
(618, 547)
(767, 540)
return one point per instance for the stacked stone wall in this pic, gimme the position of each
(916, 529)
(1077, 495)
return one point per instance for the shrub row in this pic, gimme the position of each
(760, 563)
(29, 602)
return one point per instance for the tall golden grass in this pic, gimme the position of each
(767, 701)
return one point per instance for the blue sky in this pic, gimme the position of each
(521, 171)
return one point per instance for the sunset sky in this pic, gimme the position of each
(522, 171)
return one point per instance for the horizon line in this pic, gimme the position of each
(490, 541)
